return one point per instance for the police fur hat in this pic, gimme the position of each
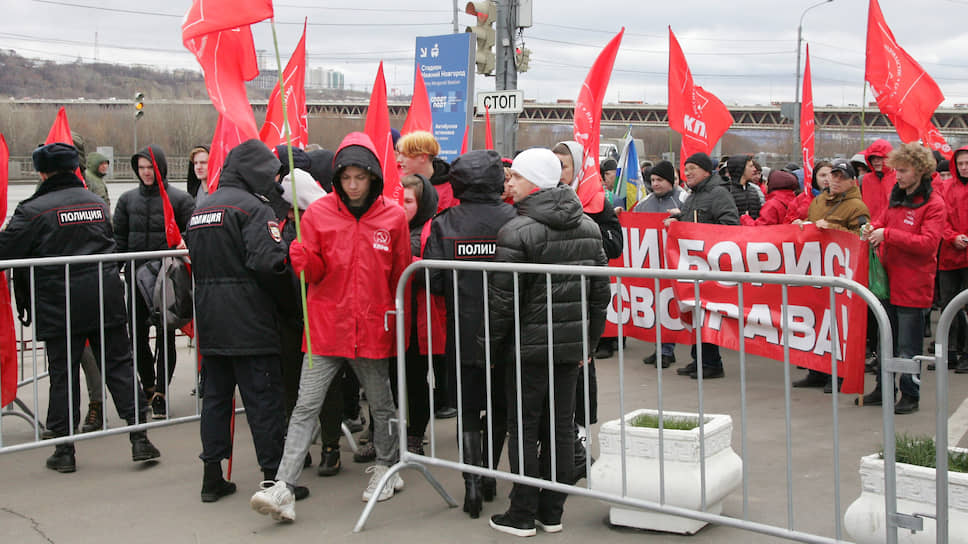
(56, 157)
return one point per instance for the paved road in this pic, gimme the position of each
(109, 499)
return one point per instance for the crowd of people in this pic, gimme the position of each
(351, 246)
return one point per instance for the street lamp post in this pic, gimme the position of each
(796, 119)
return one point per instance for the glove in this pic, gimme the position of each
(302, 259)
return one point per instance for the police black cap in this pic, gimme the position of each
(55, 157)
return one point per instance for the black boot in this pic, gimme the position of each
(873, 398)
(489, 485)
(472, 482)
(94, 419)
(141, 448)
(63, 459)
(214, 486)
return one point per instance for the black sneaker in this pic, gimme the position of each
(872, 399)
(504, 523)
(709, 373)
(158, 408)
(63, 459)
(329, 465)
(906, 405)
(962, 367)
(445, 413)
(668, 360)
(216, 489)
(687, 370)
(812, 379)
(548, 526)
(649, 360)
(365, 454)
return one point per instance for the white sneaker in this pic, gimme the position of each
(276, 500)
(394, 484)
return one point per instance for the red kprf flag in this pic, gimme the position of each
(463, 144)
(226, 137)
(378, 129)
(8, 335)
(294, 77)
(419, 116)
(60, 131)
(172, 234)
(228, 59)
(807, 122)
(488, 136)
(698, 115)
(588, 119)
(905, 93)
(934, 140)
(210, 16)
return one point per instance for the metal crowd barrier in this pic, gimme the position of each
(33, 371)
(422, 463)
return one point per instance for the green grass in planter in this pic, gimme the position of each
(920, 451)
(669, 422)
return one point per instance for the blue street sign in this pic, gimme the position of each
(447, 65)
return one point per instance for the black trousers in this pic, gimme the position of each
(474, 400)
(592, 396)
(259, 381)
(528, 502)
(953, 282)
(118, 376)
(151, 363)
(418, 389)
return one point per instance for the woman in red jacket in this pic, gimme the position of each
(953, 261)
(782, 188)
(907, 234)
(801, 205)
(355, 245)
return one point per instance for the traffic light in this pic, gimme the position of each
(486, 13)
(522, 58)
(139, 105)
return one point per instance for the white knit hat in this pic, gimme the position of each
(307, 190)
(539, 166)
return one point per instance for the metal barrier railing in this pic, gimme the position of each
(409, 460)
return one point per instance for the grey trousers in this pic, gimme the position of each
(314, 382)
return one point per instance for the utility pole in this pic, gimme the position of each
(506, 124)
(455, 17)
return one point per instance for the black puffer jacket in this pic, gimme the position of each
(550, 228)
(426, 209)
(242, 281)
(709, 202)
(63, 218)
(746, 198)
(610, 229)
(468, 232)
(139, 218)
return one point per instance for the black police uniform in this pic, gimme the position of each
(241, 278)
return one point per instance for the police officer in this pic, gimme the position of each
(63, 218)
(241, 278)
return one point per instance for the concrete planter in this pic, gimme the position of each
(916, 494)
(682, 470)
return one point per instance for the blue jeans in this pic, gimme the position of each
(908, 325)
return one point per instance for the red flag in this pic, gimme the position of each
(694, 112)
(463, 145)
(8, 335)
(933, 139)
(378, 129)
(172, 234)
(226, 137)
(588, 119)
(228, 59)
(488, 137)
(210, 16)
(807, 122)
(419, 116)
(294, 77)
(60, 131)
(905, 93)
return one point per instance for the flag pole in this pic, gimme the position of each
(295, 200)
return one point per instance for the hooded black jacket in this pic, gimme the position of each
(747, 199)
(426, 209)
(550, 228)
(468, 232)
(139, 218)
(63, 218)
(242, 281)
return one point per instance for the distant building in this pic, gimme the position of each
(325, 78)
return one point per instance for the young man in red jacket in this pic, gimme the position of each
(953, 260)
(907, 235)
(355, 245)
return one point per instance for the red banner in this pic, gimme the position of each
(172, 234)
(419, 116)
(378, 129)
(208, 16)
(60, 131)
(273, 131)
(695, 113)
(905, 93)
(8, 334)
(588, 120)
(807, 123)
(782, 249)
(933, 139)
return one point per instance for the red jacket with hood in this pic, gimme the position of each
(780, 198)
(875, 189)
(913, 227)
(356, 260)
(956, 201)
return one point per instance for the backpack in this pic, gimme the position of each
(167, 284)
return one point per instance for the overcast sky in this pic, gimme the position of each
(744, 51)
